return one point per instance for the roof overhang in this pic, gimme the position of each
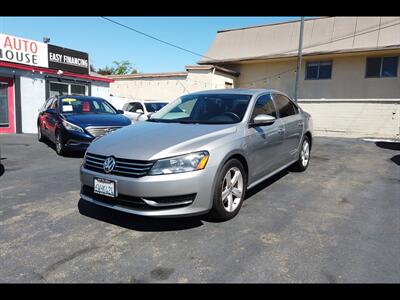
(209, 67)
(292, 55)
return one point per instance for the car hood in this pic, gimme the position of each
(84, 120)
(150, 140)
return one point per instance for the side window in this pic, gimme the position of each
(264, 105)
(53, 104)
(285, 107)
(132, 106)
(139, 106)
(47, 104)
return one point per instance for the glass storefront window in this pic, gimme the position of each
(58, 89)
(64, 88)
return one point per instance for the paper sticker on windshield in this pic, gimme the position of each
(69, 100)
(67, 108)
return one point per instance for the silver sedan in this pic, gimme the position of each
(199, 154)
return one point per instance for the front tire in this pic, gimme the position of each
(229, 191)
(40, 134)
(304, 156)
(60, 148)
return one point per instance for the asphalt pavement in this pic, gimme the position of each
(337, 222)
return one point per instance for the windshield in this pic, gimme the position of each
(86, 105)
(204, 109)
(154, 106)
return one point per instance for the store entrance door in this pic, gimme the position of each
(7, 107)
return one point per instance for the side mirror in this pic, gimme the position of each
(140, 111)
(262, 119)
(120, 111)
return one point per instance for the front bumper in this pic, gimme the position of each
(76, 141)
(195, 186)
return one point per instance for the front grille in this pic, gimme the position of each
(123, 167)
(137, 202)
(98, 131)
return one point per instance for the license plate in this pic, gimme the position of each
(104, 187)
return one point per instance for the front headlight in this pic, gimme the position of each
(179, 164)
(72, 127)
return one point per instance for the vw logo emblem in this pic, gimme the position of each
(109, 164)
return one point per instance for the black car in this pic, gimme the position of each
(72, 122)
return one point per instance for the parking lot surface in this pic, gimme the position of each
(337, 222)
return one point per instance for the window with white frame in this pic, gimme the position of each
(319, 70)
(65, 88)
(382, 66)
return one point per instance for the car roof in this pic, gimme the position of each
(241, 91)
(80, 97)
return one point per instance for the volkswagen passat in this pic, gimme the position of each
(198, 154)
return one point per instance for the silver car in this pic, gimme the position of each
(198, 154)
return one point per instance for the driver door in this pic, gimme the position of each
(43, 117)
(264, 141)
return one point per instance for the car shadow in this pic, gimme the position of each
(136, 222)
(389, 145)
(2, 170)
(396, 159)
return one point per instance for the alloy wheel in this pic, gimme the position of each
(305, 153)
(58, 143)
(232, 189)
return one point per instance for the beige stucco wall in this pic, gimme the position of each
(168, 88)
(362, 106)
(355, 119)
(348, 78)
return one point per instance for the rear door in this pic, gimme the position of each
(293, 123)
(264, 141)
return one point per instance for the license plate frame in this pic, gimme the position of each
(105, 187)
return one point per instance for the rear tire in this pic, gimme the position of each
(229, 191)
(60, 148)
(304, 156)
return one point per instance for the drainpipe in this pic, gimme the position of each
(299, 60)
(212, 77)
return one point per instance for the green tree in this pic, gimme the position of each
(123, 67)
(120, 68)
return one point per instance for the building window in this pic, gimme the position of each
(319, 70)
(66, 88)
(382, 66)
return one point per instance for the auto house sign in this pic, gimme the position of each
(68, 60)
(23, 51)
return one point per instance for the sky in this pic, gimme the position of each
(106, 42)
